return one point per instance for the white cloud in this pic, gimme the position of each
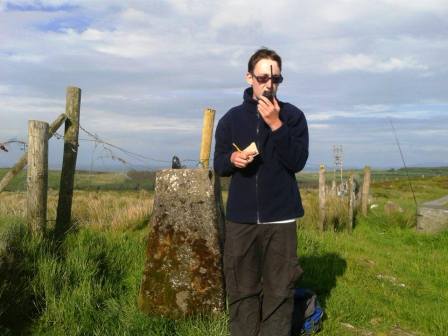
(437, 6)
(323, 116)
(362, 62)
(312, 126)
(137, 45)
(121, 124)
(32, 107)
(25, 58)
(151, 66)
(375, 108)
(4, 89)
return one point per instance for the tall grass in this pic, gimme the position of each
(110, 209)
(381, 278)
(96, 181)
(336, 211)
(86, 286)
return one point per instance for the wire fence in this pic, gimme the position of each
(106, 150)
(134, 164)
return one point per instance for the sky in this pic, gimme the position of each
(147, 70)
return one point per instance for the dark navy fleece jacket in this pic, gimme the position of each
(266, 190)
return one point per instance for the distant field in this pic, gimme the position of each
(310, 179)
(383, 279)
(84, 180)
(135, 180)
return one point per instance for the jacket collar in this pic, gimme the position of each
(248, 96)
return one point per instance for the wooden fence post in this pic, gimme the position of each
(72, 111)
(37, 176)
(24, 159)
(321, 197)
(207, 134)
(365, 190)
(333, 187)
(351, 201)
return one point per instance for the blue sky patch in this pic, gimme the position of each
(38, 7)
(78, 23)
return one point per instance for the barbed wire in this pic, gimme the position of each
(108, 153)
(132, 154)
(57, 135)
(136, 156)
(107, 150)
(4, 145)
(94, 137)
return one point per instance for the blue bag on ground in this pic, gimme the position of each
(307, 316)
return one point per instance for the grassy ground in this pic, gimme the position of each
(379, 278)
(310, 179)
(87, 286)
(382, 279)
(106, 209)
(85, 180)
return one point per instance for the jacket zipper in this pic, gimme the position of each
(256, 175)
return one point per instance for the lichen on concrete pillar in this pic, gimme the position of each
(183, 270)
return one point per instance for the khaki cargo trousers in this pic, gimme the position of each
(260, 268)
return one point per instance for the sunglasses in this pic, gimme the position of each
(276, 79)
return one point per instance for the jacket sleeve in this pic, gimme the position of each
(223, 149)
(291, 142)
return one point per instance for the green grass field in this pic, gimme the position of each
(85, 180)
(382, 279)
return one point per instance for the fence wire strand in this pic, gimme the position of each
(107, 151)
(133, 155)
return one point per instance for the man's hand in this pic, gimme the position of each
(242, 159)
(270, 112)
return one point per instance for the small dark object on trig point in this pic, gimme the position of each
(175, 163)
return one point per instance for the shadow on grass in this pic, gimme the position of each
(22, 284)
(37, 273)
(320, 274)
(18, 303)
(142, 224)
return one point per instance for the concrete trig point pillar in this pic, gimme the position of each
(183, 270)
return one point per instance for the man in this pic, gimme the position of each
(260, 252)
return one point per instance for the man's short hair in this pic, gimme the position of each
(263, 53)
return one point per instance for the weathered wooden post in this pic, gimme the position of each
(37, 176)
(351, 201)
(321, 197)
(333, 187)
(207, 135)
(24, 159)
(72, 111)
(365, 190)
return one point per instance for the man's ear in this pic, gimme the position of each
(249, 79)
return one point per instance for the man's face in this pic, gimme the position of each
(262, 68)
